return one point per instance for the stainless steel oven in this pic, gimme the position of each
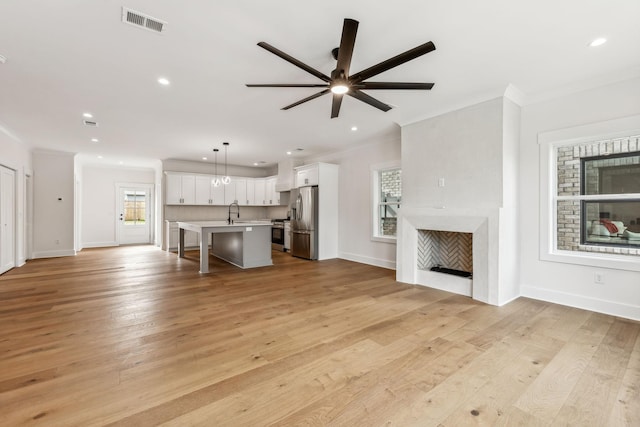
(277, 234)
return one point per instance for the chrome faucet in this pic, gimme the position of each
(237, 212)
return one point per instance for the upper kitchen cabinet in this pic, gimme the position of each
(180, 189)
(259, 194)
(286, 175)
(236, 190)
(207, 193)
(271, 197)
(241, 191)
(308, 175)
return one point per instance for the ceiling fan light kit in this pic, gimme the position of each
(341, 82)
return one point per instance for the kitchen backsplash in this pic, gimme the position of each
(203, 213)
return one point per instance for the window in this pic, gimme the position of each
(134, 207)
(575, 186)
(387, 195)
(598, 197)
(611, 216)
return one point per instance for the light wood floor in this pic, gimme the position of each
(135, 336)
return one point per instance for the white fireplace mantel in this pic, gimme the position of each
(484, 224)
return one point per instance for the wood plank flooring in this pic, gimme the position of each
(134, 336)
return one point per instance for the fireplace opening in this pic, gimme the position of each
(446, 252)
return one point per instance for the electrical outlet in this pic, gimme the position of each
(57, 242)
(598, 278)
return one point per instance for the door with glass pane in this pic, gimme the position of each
(134, 214)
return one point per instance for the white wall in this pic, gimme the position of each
(355, 202)
(208, 168)
(563, 283)
(17, 156)
(509, 236)
(465, 148)
(53, 219)
(98, 211)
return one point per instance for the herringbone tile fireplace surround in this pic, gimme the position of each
(445, 249)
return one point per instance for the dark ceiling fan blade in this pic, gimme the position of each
(392, 62)
(369, 100)
(294, 61)
(393, 85)
(286, 85)
(309, 98)
(335, 104)
(348, 41)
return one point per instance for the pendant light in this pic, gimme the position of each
(226, 179)
(216, 181)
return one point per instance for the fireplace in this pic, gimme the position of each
(473, 233)
(445, 252)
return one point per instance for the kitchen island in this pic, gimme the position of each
(246, 244)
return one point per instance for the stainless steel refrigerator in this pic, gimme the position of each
(304, 222)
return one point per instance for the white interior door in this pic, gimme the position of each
(134, 219)
(7, 219)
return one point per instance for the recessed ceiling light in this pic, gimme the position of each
(99, 157)
(354, 128)
(87, 115)
(255, 163)
(121, 162)
(163, 81)
(94, 139)
(598, 42)
(288, 153)
(204, 158)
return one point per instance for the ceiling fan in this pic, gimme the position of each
(341, 82)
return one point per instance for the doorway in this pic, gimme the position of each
(7, 219)
(134, 218)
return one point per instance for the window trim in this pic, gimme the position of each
(548, 143)
(375, 200)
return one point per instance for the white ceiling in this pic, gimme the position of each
(67, 57)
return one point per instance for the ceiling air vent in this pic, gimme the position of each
(90, 123)
(142, 20)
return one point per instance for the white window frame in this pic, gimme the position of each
(549, 142)
(375, 200)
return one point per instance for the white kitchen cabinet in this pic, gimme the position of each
(180, 189)
(241, 191)
(198, 189)
(203, 190)
(260, 197)
(270, 190)
(207, 193)
(307, 175)
(251, 191)
(230, 192)
(236, 190)
(217, 193)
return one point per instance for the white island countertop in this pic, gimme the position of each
(245, 243)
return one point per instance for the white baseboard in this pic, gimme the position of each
(54, 254)
(578, 301)
(391, 265)
(99, 244)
